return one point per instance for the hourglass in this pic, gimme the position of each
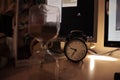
(44, 26)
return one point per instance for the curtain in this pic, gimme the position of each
(6, 6)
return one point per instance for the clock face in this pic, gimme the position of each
(76, 49)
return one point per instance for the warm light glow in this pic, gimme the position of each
(91, 68)
(99, 57)
(62, 44)
(92, 45)
(92, 64)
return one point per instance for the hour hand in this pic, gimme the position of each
(74, 50)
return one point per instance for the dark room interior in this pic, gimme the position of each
(59, 40)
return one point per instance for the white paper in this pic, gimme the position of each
(69, 3)
(57, 3)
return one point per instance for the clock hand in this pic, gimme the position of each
(72, 48)
(73, 51)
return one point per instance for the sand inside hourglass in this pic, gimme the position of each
(45, 31)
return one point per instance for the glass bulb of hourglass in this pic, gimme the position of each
(44, 26)
(44, 22)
